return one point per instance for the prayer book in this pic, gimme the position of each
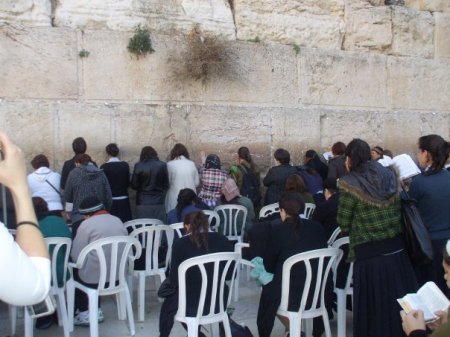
(407, 168)
(429, 299)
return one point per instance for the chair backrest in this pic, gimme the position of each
(334, 236)
(234, 217)
(138, 223)
(113, 254)
(151, 238)
(340, 243)
(178, 229)
(59, 247)
(316, 262)
(213, 219)
(221, 267)
(309, 210)
(269, 210)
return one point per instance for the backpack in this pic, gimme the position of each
(250, 186)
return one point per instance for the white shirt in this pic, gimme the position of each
(40, 188)
(24, 280)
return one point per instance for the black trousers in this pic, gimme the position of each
(81, 298)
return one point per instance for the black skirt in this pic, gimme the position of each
(377, 283)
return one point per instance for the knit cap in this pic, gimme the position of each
(90, 205)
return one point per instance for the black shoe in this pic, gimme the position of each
(45, 322)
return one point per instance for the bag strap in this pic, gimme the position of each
(56, 190)
(243, 169)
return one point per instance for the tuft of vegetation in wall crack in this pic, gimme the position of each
(140, 44)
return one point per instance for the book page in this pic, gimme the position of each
(414, 302)
(406, 166)
(433, 297)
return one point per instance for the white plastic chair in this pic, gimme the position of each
(342, 294)
(61, 247)
(177, 228)
(234, 217)
(317, 307)
(138, 223)
(334, 236)
(150, 238)
(309, 210)
(269, 210)
(113, 254)
(242, 263)
(212, 216)
(221, 264)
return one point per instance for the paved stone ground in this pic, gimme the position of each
(245, 312)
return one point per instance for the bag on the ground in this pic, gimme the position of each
(237, 330)
(250, 186)
(415, 235)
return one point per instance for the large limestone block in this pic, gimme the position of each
(344, 125)
(111, 72)
(38, 63)
(429, 5)
(343, 78)
(262, 73)
(413, 33)
(419, 84)
(28, 12)
(30, 124)
(442, 35)
(158, 15)
(368, 28)
(308, 23)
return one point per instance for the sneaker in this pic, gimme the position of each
(82, 318)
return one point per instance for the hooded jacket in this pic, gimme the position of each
(369, 210)
(86, 181)
(39, 182)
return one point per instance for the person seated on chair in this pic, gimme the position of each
(292, 236)
(51, 226)
(97, 224)
(199, 241)
(326, 211)
(187, 202)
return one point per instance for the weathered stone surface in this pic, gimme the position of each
(368, 28)
(308, 23)
(262, 73)
(38, 62)
(442, 35)
(342, 78)
(29, 12)
(412, 33)
(419, 84)
(429, 5)
(158, 15)
(126, 77)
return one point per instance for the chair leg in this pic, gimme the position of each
(62, 314)
(326, 323)
(308, 327)
(341, 312)
(236, 283)
(12, 318)
(121, 306)
(192, 327)
(70, 292)
(141, 297)
(130, 282)
(226, 326)
(295, 326)
(127, 301)
(93, 313)
(28, 324)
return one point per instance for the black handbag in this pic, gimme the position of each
(415, 235)
(166, 289)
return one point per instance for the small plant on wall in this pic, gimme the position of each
(140, 44)
(83, 53)
(204, 57)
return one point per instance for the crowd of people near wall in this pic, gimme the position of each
(356, 189)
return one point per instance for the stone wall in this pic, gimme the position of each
(323, 71)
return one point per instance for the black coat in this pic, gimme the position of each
(326, 214)
(275, 180)
(151, 181)
(336, 167)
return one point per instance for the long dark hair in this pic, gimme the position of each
(295, 183)
(179, 150)
(186, 197)
(293, 205)
(147, 153)
(244, 153)
(359, 153)
(198, 229)
(438, 149)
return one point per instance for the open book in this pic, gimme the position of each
(429, 299)
(406, 166)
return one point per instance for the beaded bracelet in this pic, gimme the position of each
(31, 223)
